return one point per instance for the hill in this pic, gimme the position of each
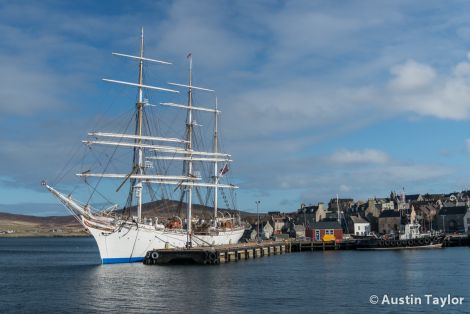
(25, 225)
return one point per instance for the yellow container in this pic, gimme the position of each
(329, 238)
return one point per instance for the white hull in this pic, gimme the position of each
(130, 243)
(126, 241)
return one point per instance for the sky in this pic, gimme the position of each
(318, 98)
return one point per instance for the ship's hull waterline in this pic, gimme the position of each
(130, 243)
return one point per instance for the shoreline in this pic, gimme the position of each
(45, 235)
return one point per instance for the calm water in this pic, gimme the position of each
(41, 275)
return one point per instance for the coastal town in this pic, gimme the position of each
(400, 221)
(345, 218)
(339, 219)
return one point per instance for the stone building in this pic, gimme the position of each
(389, 222)
(451, 219)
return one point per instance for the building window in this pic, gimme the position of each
(329, 231)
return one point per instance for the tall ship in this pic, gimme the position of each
(157, 162)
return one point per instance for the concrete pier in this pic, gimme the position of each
(213, 255)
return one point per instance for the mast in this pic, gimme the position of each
(137, 175)
(139, 105)
(216, 174)
(337, 206)
(189, 146)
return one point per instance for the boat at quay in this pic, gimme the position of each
(424, 242)
(411, 238)
(124, 235)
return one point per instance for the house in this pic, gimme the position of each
(432, 197)
(321, 212)
(305, 214)
(266, 231)
(361, 226)
(466, 221)
(451, 218)
(403, 205)
(425, 214)
(372, 209)
(344, 204)
(372, 213)
(278, 223)
(319, 230)
(389, 222)
(298, 231)
(453, 197)
(332, 216)
(386, 205)
(304, 219)
(308, 209)
(249, 235)
(357, 207)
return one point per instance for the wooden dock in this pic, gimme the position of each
(213, 255)
(452, 240)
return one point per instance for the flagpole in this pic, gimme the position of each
(257, 213)
(216, 166)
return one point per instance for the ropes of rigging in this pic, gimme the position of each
(108, 163)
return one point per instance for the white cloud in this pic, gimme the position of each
(462, 69)
(359, 156)
(364, 182)
(411, 75)
(443, 96)
(344, 188)
(289, 76)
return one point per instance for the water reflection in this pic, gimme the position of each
(64, 275)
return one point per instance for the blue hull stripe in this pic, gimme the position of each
(122, 260)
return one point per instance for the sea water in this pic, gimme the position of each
(64, 275)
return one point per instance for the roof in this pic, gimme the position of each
(389, 213)
(358, 220)
(326, 225)
(308, 209)
(334, 200)
(383, 199)
(412, 197)
(249, 232)
(426, 209)
(262, 224)
(453, 210)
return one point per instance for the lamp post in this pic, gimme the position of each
(257, 213)
(444, 223)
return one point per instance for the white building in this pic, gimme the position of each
(361, 226)
(321, 212)
(267, 231)
(466, 221)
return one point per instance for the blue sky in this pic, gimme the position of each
(318, 97)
